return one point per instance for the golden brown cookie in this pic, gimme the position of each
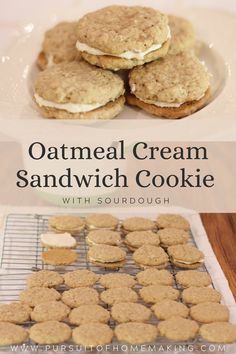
(14, 312)
(45, 279)
(50, 311)
(208, 312)
(171, 237)
(116, 295)
(35, 296)
(198, 295)
(101, 221)
(59, 256)
(117, 280)
(183, 37)
(137, 224)
(130, 312)
(92, 334)
(155, 293)
(219, 332)
(12, 334)
(65, 223)
(178, 329)
(135, 332)
(80, 278)
(150, 256)
(154, 276)
(185, 256)
(107, 256)
(80, 296)
(136, 239)
(59, 45)
(50, 332)
(89, 314)
(188, 278)
(104, 237)
(127, 43)
(169, 308)
(172, 221)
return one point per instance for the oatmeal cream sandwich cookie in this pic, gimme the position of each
(101, 221)
(107, 256)
(173, 87)
(78, 90)
(149, 256)
(183, 36)
(66, 223)
(171, 236)
(185, 256)
(137, 223)
(136, 239)
(103, 237)
(122, 37)
(59, 45)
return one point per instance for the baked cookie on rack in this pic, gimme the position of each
(65, 223)
(50, 332)
(103, 237)
(186, 256)
(154, 276)
(178, 329)
(80, 278)
(175, 221)
(136, 332)
(171, 237)
(59, 256)
(188, 278)
(208, 312)
(198, 295)
(136, 239)
(169, 308)
(149, 256)
(155, 293)
(89, 314)
(130, 312)
(92, 334)
(107, 256)
(122, 37)
(11, 333)
(101, 221)
(80, 296)
(45, 279)
(50, 311)
(35, 296)
(15, 312)
(116, 295)
(117, 280)
(137, 224)
(219, 332)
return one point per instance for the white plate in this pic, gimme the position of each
(18, 69)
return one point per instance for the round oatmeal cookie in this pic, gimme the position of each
(44, 279)
(130, 312)
(50, 311)
(169, 308)
(137, 224)
(219, 332)
(101, 221)
(50, 332)
(151, 256)
(104, 237)
(116, 295)
(59, 256)
(186, 256)
(154, 276)
(136, 332)
(111, 39)
(183, 36)
(92, 334)
(188, 278)
(80, 278)
(170, 237)
(117, 280)
(60, 223)
(14, 312)
(11, 333)
(80, 296)
(172, 221)
(173, 87)
(137, 239)
(155, 293)
(78, 90)
(104, 255)
(35, 296)
(89, 314)
(178, 329)
(198, 295)
(59, 45)
(208, 312)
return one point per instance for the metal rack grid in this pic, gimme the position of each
(21, 255)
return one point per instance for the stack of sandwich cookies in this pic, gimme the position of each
(149, 256)
(173, 87)
(66, 223)
(107, 256)
(101, 221)
(104, 237)
(186, 256)
(59, 45)
(78, 90)
(136, 239)
(122, 37)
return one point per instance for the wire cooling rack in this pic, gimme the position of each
(21, 255)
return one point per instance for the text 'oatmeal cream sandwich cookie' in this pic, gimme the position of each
(78, 90)
(172, 87)
(122, 37)
(59, 45)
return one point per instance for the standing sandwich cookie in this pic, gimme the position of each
(78, 90)
(183, 37)
(59, 45)
(122, 37)
(173, 87)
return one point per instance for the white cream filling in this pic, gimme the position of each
(184, 262)
(82, 47)
(69, 107)
(58, 240)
